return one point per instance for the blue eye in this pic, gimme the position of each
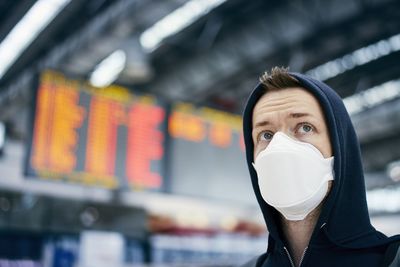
(305, 128)
(266, 136)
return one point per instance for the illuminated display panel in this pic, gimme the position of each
(98, 137)
(206, 154)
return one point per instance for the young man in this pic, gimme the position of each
(305, 165)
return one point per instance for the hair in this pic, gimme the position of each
(278, 78)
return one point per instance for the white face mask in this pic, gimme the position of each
(293, 176)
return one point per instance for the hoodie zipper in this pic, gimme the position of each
(302, 256)
(290, 258)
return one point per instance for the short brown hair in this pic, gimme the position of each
(278, 78)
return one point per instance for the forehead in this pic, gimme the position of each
(288, 100)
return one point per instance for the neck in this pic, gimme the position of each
(298, 234)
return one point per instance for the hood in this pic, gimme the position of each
(344, 216)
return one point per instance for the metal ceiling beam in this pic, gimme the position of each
(377, 155)
(108, 32)
(252, 45)
(86, 39)
(378, 122)
(81, 52)
(378, 130)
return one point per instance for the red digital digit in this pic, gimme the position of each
(145, 144)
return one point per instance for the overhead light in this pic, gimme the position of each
(356, 58)
(393, 171)
(372, 97)
(27, 29)
(107, 71)
(176, 21)
(384, 199)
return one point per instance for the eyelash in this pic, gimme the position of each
(298, 126)
(305, 123)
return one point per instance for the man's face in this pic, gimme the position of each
(293, 111)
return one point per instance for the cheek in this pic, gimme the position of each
(258, 149)
(255, 154)
(324, 145)
(327, 146)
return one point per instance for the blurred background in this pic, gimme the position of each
(120, 126)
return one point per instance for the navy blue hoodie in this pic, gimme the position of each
(343, 235)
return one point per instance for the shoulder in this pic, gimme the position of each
(394, 258)
(392, 255)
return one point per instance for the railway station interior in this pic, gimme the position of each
(121, 137)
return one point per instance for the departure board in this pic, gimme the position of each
(206, 153)
(106, 137)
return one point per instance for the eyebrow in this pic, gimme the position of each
(295, 115)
